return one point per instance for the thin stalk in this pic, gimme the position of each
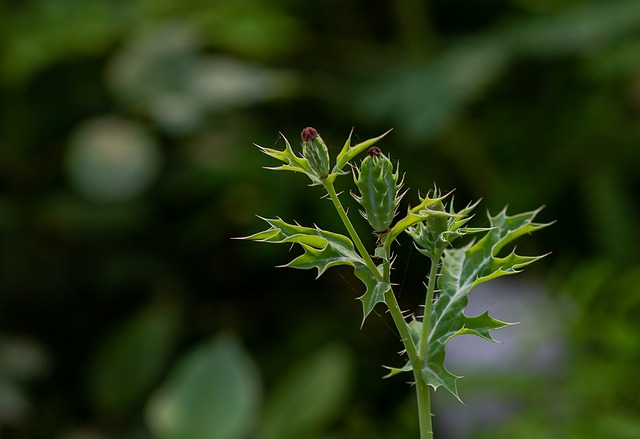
(352, 231)
(403, 328)
(424, 406)
(428, 303)
(422, 389)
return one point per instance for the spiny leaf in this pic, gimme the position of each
(349, 152)
(415, 329)
(323, 250)
(441, 228)
(292, 161)
(414, 216)
(462, 270)
(375, 289)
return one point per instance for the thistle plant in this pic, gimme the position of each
(433, 224)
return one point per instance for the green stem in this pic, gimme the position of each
(422, 389)
(424, 406)
(403, 328)
(428, 303)
(328, 185)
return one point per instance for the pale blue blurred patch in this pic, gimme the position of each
(532, 357)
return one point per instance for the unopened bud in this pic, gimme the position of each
(315, 151)
(436, 224)
(379, 188)
(433, 234)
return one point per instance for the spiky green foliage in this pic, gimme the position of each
(296, 163)
(323, 250)
(292, 161)
(433, 228)
(440, 228)
(462, 270)
(348, 152)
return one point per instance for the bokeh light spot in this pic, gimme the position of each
(112, 159)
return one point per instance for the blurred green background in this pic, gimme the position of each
(127, 164)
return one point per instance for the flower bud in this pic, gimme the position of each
(379, 187)
(315, 151)
(436, 224)
(439, 228)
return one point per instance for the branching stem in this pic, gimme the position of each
(422, 389)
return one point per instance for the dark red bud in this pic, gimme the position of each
(308, 134)
(374, 150)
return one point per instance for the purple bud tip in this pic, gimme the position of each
(308, 134)
(374, 150)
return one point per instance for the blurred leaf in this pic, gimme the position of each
(426, 98)
(132, 358)
(163, 72)
(623, 59)
(250, 28)
(309, 396)
(588, 280)
(582, 28)
(42, 32)
(213, 393)
(622, 426)
(611, 215)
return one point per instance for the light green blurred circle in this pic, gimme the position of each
(112, 159)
